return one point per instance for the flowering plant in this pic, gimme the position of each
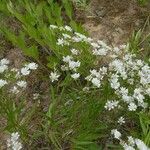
(84, 94)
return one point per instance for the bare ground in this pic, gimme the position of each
(113, 20)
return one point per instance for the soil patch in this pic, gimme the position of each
(113, 20)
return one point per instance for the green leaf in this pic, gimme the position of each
(32, 52)
(53, 61)
(68, 8)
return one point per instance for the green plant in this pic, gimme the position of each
(143, 2)
(145, 125)
(35, 21)
(85, 94)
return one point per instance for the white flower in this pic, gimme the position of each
(4, 61)
(127, 99)
(54, 76)
(100, 51)
(95, 73)
(144, 75)
(64, 68)
(96, 82)
(3, 68)
(131, 81)
(89, 78)
(103, 70)
(73, 65)
(32, 66)
(60, 42)
(88, 39)
(140, 63)
(22, 84)
(123, 46)
(14, 70)
(116, 50)
(76, 39)
(148, 91)
(95, 45)
(66, 36)
(75, 76)
(111, 104)
(14, 90)
(2, 83)
(67, 59)
(140, 145)
(132, 107)
(3, 65)
(123, 91)
(86, 89)
(25, 71)
(80, 37)
(128, 147)
(114, 81)
(14, 143)
(53, 27)
(116, 134)
(103, 44)
(137, 95)
(36, 96)
(68, 28)
(121, 120)
(74, 51)
(118, 66)
(131, 140)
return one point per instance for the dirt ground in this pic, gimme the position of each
(113, 20)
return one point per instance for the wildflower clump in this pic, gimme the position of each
(131, 143)
(13, 143)
(90, 84)
(126, 76)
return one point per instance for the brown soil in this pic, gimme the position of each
(113, 20)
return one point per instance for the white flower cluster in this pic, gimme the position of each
(75, 51)
(71, 64)
(14, 142)
(131, 144)
(62, 41)
(126, 68)
(28, 67)
(66, 28)
(144, 74)
(4, 64)
(3, 67)
(100, 48)
(2, 83)
(21, 84)
(18, 74)
(26, 70)
(127, 76)
(114, 81)
(97, 76)
(54, 76)
(36, 96)
(111, 104)
(121, 120)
